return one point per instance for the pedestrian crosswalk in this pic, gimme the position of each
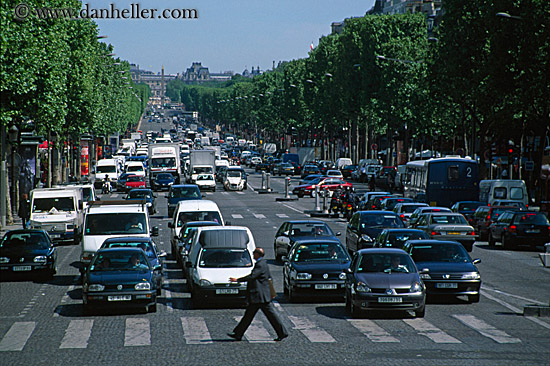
(138, 332)
(259, 216)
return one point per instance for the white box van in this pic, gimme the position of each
(342, 162)
(492, 190)
(107, 167)
(216, 254)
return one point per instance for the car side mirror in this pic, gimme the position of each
(163, 254)
(97, 199)
(171, 225)
(155, 231)
(157, 267)
(348, 270)
(338, 233)
(285, 233)
(476, 261)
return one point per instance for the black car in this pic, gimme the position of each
(309, 169)
(396, 238)
(291, 231)
(467, 209)
(365, 226)
(119, 277)
(384, 279)
(347, 169)
(315, 267)
(450, 270)
(517, 228)
(28, 251)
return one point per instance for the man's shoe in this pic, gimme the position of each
(278, 339)
(234, 336)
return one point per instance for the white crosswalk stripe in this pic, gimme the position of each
(485, 329)
(237, 216)
(137, 333)
(256, 332)
(310, 330)
(77, 334)
(239, 192)
(195, 330)
(17, 336)
(282, 216)
(372, 331)
(428, 330)
(259, 216)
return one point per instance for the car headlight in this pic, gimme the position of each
(303, 276)
(4, 260)
(365, 237)
(170, 183)
(471, 276)
(143, 286)
(40, 259)
(342, 276)
(96, 287)
(416, 287)
(362, 287)
(205, 283)
(425, 276)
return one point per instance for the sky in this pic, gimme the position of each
(227, 35)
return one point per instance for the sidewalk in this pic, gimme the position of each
(17, 224)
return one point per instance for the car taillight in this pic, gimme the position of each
(472, 233)
(402, 216)
(436, 233)
(488, 217)
(373, 207)
(513, 228)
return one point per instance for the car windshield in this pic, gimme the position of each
(317, 252)
(102, 169)
(139, 194)
(469, 206)
(165, 176)
(385, 263)
(409, 208)
(25, 240)
(185, 192)
(115, 224)
(401, 238)
(311, 229)
(135, 168)
(446, 252)
(449, 219)
(184, 217)
(120, 261)
(379, 221)
(314, 181)
(233, 174)
(146, 246)
(205, 177)
(203, 169)
(135, 178)
(225, 258)
(531, 218)
(163, 162)
(53, 204)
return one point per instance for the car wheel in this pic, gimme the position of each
(52, 271)
(473, 298)
(159, 289)
(152, 308)
(420, 312)
(86, 309)
(285, 289)
(469, 247)
(313, 194)
(214, 189)
(348, 301)
(491, 240)
(506, 243)
(300, 194)
(291, 294)
(355, 312)
(196, 299)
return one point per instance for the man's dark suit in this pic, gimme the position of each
(259, 297)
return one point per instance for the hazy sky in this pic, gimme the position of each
(227, 35)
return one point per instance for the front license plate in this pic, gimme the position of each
(22, 268)
(446, 285)
(326, 286)
(119, 298)
(227, 291)
(390, 299)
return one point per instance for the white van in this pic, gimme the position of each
(107, 167)
(492, 190)
(216, 254)
(136, 168)
(342, 162)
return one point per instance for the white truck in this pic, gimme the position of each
(164, 158)
(59, 211)
(200, 162)
(107, 167)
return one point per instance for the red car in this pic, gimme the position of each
(135, 181)
(330, 184)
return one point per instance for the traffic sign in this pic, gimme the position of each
(374, 147)
(529, 165)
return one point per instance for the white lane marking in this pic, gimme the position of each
(239, 192)
(516, 310)
(137, 333)
(250, 187)
(428, 330)
(17, 336)
(310, 330)
(282, 216)
(373, 331)
(256, 332)
(292, 208)
(64, 300)
(237, 216)
(483, 287)
(195, 330)
(77, 334)
(259, 216)
(168, 295)
(225, 193)
(485, 329)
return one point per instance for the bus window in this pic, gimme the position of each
(452, 173)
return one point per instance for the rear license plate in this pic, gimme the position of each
(390, 299)
(22, 268)
(446, 285)
(54, 236)
(227, 291)
(119, 298)
(532, 231)
(326, 286)
(453, 233)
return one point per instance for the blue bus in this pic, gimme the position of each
(442, 181)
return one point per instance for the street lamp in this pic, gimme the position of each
(13, 134)
(508, 16)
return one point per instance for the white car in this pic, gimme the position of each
(206, 182)
(255, 160)
(335, 173)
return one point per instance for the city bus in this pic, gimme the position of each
(442, 181)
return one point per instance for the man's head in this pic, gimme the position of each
(134, 260)
(258, 253)
(395, 260)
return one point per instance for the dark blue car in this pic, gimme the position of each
(181, 192)
(291, 231)
(315, 267)
(162, 181)
(147, 195)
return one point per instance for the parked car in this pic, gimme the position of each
(330, 184)
(162, 181)
(119, 277)
(315, 268)
(450, 270)
(396, 238)
(291, 231)
(384, 279)
(484, 216)
(365, 226)
(514, 229)
(448, 226)
(181, 192)
(28, 251)
(135, 181)
(144, 194)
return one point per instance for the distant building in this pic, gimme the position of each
(251, 74)
(157, 82)
(198, 74)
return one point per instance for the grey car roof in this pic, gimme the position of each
(224, 238)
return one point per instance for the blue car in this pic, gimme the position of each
(181, 192)
(162, 181)
(315, 267)
(120, 277)
(147, 195)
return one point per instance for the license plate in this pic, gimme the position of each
(390, 299)
(227, 291)
(326, 286)
(453, 233)
(533, 231)
(22, 268)
(446, 285)
(119, 298)
(53, 236)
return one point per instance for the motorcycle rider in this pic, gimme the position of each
(107, 184)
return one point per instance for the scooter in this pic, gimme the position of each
(106, 188)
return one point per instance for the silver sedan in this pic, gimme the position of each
(448, 226)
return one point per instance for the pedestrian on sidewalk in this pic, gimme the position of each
(24, 211)
(259, 297)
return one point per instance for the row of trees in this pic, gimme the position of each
(478, 79)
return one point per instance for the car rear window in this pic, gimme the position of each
(531, 218)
